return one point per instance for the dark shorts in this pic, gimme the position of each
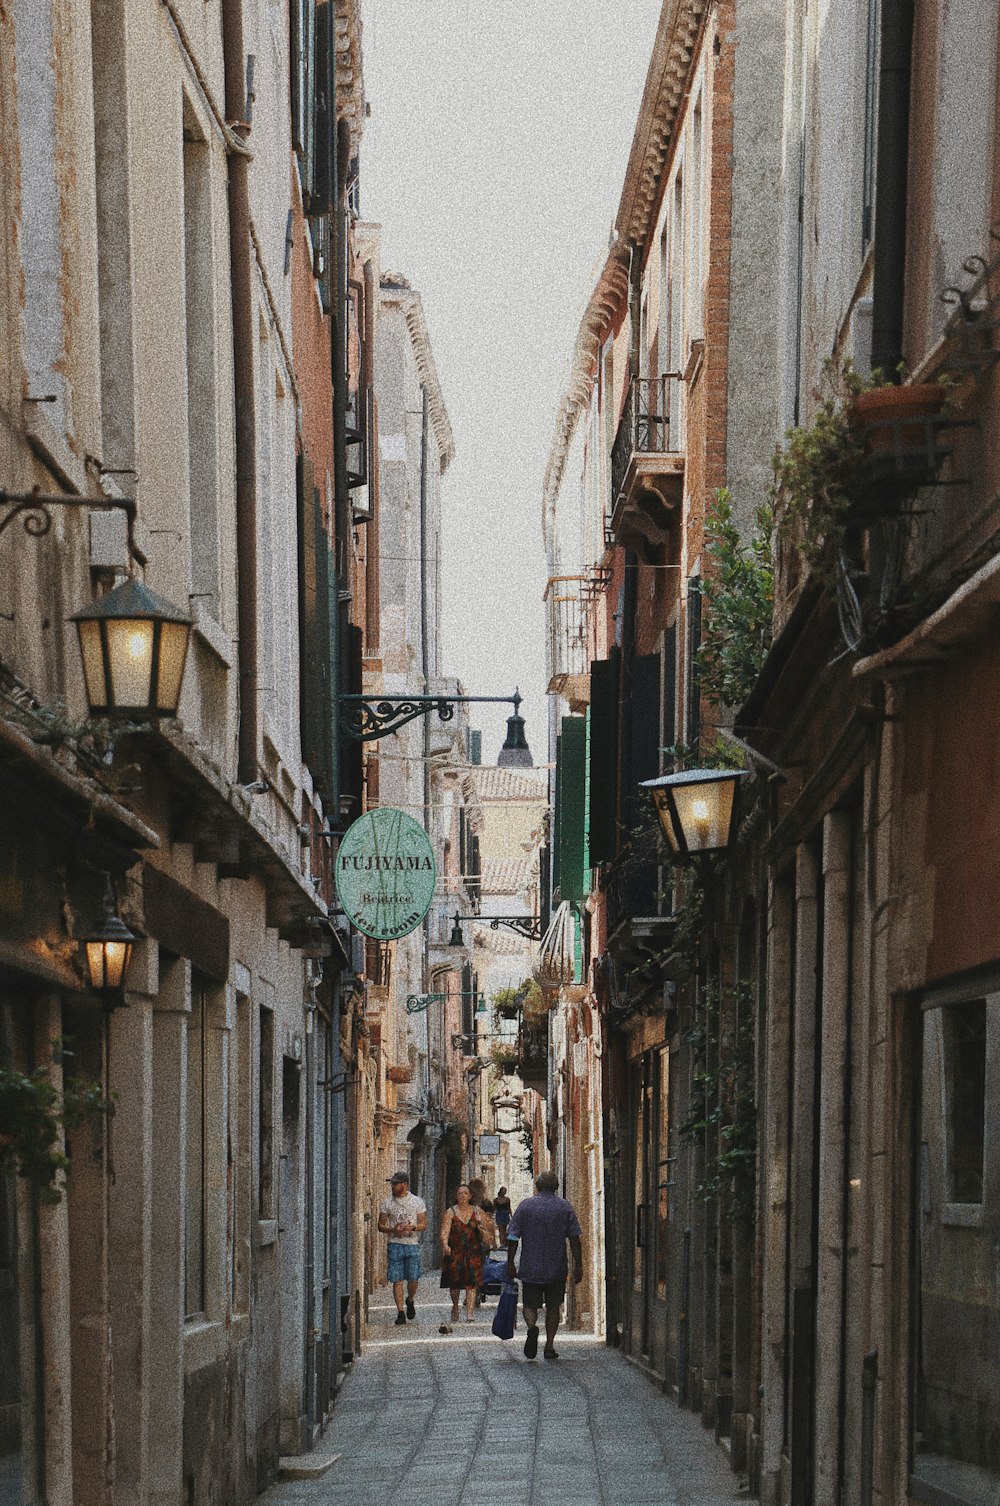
(551, 1294)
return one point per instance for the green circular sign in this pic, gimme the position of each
(386, 874)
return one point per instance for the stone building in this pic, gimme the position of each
(175, 254)
(645, 436)
(879, 1198)
(800, 1064)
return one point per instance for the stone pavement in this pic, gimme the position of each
(428, 1419)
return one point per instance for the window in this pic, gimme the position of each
(964, 1042)
(696, 261)
(195, 1148)
(242, 1200)
(956, 1384)
(200, 322)
(871, 123)
(265, 1119)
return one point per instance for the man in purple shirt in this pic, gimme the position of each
(541, 1225)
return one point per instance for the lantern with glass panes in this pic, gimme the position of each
(696, 808)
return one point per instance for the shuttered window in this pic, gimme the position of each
(323, 184)
(644, 732)
(301, 62)
(603, 757)
(668, 698)
(570, 801)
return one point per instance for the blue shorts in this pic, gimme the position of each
(404, 1262)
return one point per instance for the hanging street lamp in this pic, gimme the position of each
(133, 644)
(696, 808)
(107, 949)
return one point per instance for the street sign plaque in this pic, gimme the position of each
(489, 1145)
(386, 873)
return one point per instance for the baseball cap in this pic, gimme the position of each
(399, 1176)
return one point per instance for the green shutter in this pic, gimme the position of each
(571, 803)
(644, 731)
(603, 758)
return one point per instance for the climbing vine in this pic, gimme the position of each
(33, 1116)
(723, 1114)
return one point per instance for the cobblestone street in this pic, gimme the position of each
(461, 1419)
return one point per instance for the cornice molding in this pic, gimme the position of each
(667, 82)
(394, 292)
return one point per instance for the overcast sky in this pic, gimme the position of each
(494, 159)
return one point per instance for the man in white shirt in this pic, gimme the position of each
(403, 1216)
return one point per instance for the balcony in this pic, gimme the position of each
(647, 464)
(568, 599)
(565, 606)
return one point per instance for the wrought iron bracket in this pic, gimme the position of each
(529, 926)
(367, 718)
(417, 1003)
(338, 1083)
(35, 511)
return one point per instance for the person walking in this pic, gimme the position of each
(466, 1234)
(541, 1225)
(480, 1198)
(403, 1216)
(501, 1212)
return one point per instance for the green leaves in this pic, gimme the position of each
(819, 479)
(33, 1115)
(739, 595)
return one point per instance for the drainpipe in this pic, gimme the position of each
(890, 186)
(241, 269)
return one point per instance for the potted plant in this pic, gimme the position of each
(507, 1004)
(503, 1054)
(890, 414)
(846, 468)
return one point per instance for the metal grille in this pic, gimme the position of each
(650, 424)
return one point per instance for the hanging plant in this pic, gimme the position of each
(33, 1117)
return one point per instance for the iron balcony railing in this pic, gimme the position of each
(566, 605)
(651, 424)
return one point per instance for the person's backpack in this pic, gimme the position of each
(505, 1317)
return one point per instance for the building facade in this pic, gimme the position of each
(182, 378)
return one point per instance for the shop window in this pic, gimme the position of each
(964, 1041)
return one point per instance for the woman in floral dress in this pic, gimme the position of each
(466, 1234)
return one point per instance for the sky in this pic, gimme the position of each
(493, 159)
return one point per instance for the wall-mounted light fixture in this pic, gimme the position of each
(133, 644)
(695, 808)
(107, 949)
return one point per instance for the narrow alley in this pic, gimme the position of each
(463, 1419)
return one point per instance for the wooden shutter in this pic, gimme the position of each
(669, 697)
(644, 731)
(603, 757)
(324, 110)
(570, 802)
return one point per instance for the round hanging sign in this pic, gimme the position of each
(386, 874)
